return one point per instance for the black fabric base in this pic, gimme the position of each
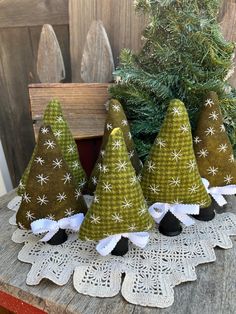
(59, 238)
(206, 214)
(121, 247)
(170, 226)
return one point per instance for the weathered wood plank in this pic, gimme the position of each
(18, 13)
(83, 106)
(97, 63)
(122, 25)
(50, 64)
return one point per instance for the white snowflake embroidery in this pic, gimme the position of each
(184, 128)
(228, 179)
(59, 119)
(50, 216)
(109, 126)
(154, 188)
(96, 199)
(107, 186)
(222, 128)
(30, 216)
(42, 179)
(21, 185)
(75, 165)
(222, 148)
(100, 167)
(95, 219)
(191, 165)
(71, 149)
(131, 154)
(151, 166)
(102, 153)
(58, 133)
(133, 180)
(39, 160)
(193, 189)
(214, 115)
(67, 178)
(117, 217)
(197, 139)
(124, 122)
(61, 197)
(57, 163)
(42, 200)
(49, 144)
(121, 165)
(94, 180)
(44, 130)
(174, 181)
(142, 210)
(177, 201)
(209, 102)
(116, 107)
(126, 203)
(132, 227)
(116, 144)
(69, 212)
(130, 135)
(202, 203)
(176, 111)
(210, 131)
(231, 158)
(161, 143)
(21, 226)
(212, 170)
(202, 153)
(139, 177)
(176, 155)
(77, 193)
(104, 169)
(26, 197)
(82, 183)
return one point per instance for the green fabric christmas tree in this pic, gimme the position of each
(116, 118)
(50, 189)
(118, 206)
(170, 174)
(53, 116)
(213, 149)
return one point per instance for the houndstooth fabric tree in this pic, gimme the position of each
(116, 118)
(170, 174)
(50, 190)
(118, 206)
(53, 116)
(212, 147)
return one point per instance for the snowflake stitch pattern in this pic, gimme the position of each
(95, 219)
(214, 115)
(42, 200)
(222, 148)
(193, 189)
(96, 199)
(133, 180)
(154, 188)
(222, 128)
(107, 187)
(203, 153)
(116, 107)
(131, 154)
(77, 194)
(142, 210)
(30, 216)
(132, 227)
(176, 111)
(42, 179)
(231, 158)
(121, 165)
(50, 144)
(176, 155)
(210, 131)
(124, 122)
(61, 197)
(59, 119)
(161, 143)
(71, 149)
(94, 180)
(228, 179)
(82, 183)
(67, 178)
(117, 217)
(44, 130)
(126, 203)
(209, 102)
(191, 165)
(50, 216)
(212, 171)
(57, 163)
(26, 198)
(197, 139)
(39, 160)
(105, 169)
(184, 128)
(151, 166)
(58, 133)
(109, 126)
(69, 212)
(174, 181)
(75, 165)
(116, 145)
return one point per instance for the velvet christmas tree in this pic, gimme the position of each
(170, 174)
(53, 116)
(115, 118)
(213, 150)
(50, 191)
(119, 207)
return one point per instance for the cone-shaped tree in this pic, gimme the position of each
(118, 206)
(170, 174)
(53, 116)
(116, 118)
(50, 190)
(213, 149)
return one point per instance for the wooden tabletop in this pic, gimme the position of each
(213, 292)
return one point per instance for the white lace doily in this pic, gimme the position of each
(149, 275)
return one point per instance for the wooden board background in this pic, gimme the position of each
(20, 25)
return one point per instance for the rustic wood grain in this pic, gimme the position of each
(82, 104)
(97, 63)
(122, 25)
(213, 292)
(50, 64)
(18, 13)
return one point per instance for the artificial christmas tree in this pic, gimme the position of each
(184, 55)
(53, 116)
(170, 178)
(119, 208)
(115, 119)
(51, 201)
(214, 154)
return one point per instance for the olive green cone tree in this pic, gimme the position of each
(50, 191)
(116, 118)
(119, 207)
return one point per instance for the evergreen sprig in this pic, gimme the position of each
(184, 55)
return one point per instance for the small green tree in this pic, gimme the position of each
(184, 55)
